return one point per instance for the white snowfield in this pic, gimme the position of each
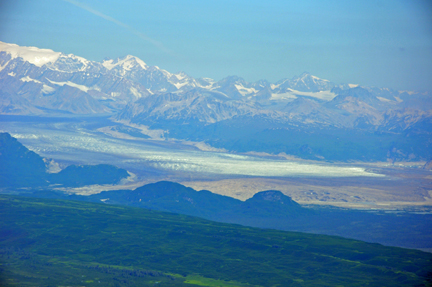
(33, 55)
(245, 91)
(179, 85)
(127, 63)
(116, 85)
(292, 94)
(319, 79)
(28, 79)
(40, 57)
(68, 83)
(65, 145)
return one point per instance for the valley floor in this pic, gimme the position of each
(401, 188)
(347, 185)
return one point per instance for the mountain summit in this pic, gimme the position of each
(41, 77)
(248, 116)
(270, 202)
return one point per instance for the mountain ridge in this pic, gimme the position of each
(150, 79)
(268, 209)
(119, 82)
(47, 83)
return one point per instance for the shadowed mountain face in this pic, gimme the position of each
(174, 197)
(81, 175)
(271, 203)
(268, 209)
(274, 197)
(20, 167)
(177, 198)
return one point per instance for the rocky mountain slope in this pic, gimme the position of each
(43, 82)
(40, 81)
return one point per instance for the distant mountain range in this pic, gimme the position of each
(43, 82)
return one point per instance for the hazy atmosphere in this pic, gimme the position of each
(215, 143)
(374, 43)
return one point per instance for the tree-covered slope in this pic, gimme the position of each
(269, 209)
(88, 234)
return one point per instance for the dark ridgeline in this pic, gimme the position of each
(269, 209)
(21, 168)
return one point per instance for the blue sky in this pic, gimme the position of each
(375, 43)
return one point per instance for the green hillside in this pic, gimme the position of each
(67, 243)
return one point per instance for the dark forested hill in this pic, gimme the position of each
(269, 209)
(20, 167)
(58, 242)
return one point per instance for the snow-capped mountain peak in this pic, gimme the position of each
(69, 63)
(180, 76)
(127, 63)
(33, 81)
(306, 76)
(308, 83)
(33, 55)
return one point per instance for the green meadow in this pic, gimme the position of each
(67, 243)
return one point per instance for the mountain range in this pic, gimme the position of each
(42, 82)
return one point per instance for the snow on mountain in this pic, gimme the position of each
(155, 79)
(152, 78)
(193, 106)
(359, 95)
(126, 63)
(71, 63)
(307, 82)
(28, 79)
(80, 87)
(303, 83)
(233, 86)
(293, 94)
(34, 81)
(403, 119)
(245, 91)
(33, 55)
(59, 70)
